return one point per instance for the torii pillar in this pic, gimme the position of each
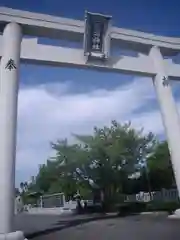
(9, 81)
(169, 112)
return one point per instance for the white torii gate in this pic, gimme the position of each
(15, 49)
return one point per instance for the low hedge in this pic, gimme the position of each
(87, 209)
(169, 207)
(131, 208)
(153, 206)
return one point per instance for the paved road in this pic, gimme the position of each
(31, 223)
(131, 228)
(36, 224)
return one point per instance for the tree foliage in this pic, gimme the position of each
(157, 173)
(160, 167)
(108, 160)
(105, 160)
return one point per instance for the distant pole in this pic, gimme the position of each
(41, 201)
(9, 81)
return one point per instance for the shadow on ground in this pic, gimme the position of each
(131, 227)
(67, 223)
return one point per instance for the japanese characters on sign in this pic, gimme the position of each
(97, 35)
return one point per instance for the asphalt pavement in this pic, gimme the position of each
(131, 228)
(40, 224)
(140, 227)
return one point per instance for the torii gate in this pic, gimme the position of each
(98, 35)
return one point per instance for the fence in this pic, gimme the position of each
(52, 201)
(163, 195)
(58, 200)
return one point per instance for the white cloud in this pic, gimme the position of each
(51, 111)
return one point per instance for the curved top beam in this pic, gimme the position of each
(42, 25)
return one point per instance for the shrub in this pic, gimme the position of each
(94, 209)
(153, 206)
(131, 208)
(169, 207)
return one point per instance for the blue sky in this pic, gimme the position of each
(54, 102)
(156, 16)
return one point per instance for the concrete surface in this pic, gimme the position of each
(33, 225)
(12, 236)
(132, 228)
(140, 227)
(53, 211)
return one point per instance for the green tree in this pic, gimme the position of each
(70, 161)
(160, 167)
(104, 160)
(116, 153)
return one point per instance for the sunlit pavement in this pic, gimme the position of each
(38, 224)
(134, 227)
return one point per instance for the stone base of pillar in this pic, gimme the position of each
(13, 236)
(175, 215)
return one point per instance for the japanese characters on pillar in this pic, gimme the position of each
(97, 36)
(10, 65)
(165, 81)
